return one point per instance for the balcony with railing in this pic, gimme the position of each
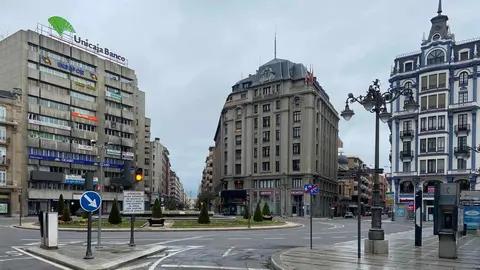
(462, 129)
(406, 135)
(406, 155)
(462, 151)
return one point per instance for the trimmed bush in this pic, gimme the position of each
(246, 213)
(66, 216)
(266, 210)
(157, 209)
(115, 217)
(85, 215)
(61, 205)
(203, 218)
(257, 215)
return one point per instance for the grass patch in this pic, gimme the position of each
(82, 223)
(240, 222)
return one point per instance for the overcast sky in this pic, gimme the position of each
(188, 54)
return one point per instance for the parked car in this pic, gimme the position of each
(348, 215)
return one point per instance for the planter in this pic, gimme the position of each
(156, 221)
(478, 232)
(268, 218)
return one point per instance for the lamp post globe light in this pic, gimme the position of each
(376, 102)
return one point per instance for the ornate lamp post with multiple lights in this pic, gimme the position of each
(376, 102)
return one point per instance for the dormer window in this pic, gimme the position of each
(464, 56)
(408, 66)
(436, 57)
(436, 37)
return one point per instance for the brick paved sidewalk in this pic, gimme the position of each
(402, 255)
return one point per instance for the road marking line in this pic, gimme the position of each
(274, 238)
(314, 237)
(13, 259)
(176, 240)
(202, 239)
(337, 237)
(135, 266)
(155, 264)
(227, 252)
(206, 267)
(239, 238)
(42, 259)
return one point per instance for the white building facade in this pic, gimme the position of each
(433, 144)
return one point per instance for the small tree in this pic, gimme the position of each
(157, 209)
(115, 217)
(203, 218)
(257, 216)
(246, 213)
(266, 210)
(66, 217)
(61, 205)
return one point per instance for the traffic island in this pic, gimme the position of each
(107, 258)
(180, 226)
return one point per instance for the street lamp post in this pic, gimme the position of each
(101, 183)
(376, 102)
(473, 180)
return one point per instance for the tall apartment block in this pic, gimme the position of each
(206, 184)
(160, 168)
(277, 131)
(433, 144)
(75, 107)
(10, 167)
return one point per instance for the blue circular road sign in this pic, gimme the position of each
(90, 201)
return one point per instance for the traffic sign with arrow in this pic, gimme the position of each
(90, 201)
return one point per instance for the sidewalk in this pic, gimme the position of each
(167, 227)
(106, 258)
(402, 255)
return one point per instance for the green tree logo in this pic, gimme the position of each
(60, 25)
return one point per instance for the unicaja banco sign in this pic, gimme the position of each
(61, 26)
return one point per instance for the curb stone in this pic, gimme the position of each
(288, 225)
(79, 265)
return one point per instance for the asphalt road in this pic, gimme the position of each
(227, 250)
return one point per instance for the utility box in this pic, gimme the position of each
(49, 230)
(448, 220)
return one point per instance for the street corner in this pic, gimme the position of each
(107, 258)
(276, 262)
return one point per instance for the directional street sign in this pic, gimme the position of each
(310, 188)
(90, 201)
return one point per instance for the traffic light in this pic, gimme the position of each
(139, 174)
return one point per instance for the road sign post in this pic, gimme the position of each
(90, 201)
(133, 204)
(311, 189)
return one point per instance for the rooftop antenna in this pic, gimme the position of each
(275, 44)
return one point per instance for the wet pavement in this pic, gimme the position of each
(403, 254)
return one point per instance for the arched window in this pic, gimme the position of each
(436, 57)
(297, 101)
(407, 85)
(463, 78)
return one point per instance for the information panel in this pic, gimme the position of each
(133, 202)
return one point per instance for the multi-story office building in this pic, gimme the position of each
(176, 192)
(75, 104)
(160, 166)
(10, 157)
(148, 177)
(432, 144)
(277, 131)
(207, 173)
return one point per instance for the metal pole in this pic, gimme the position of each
(376, 232)
(100, 184)
(132, 235)
(21, 210)
(311, 221)
(359, 216)
(249, 213)
(88, 254)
